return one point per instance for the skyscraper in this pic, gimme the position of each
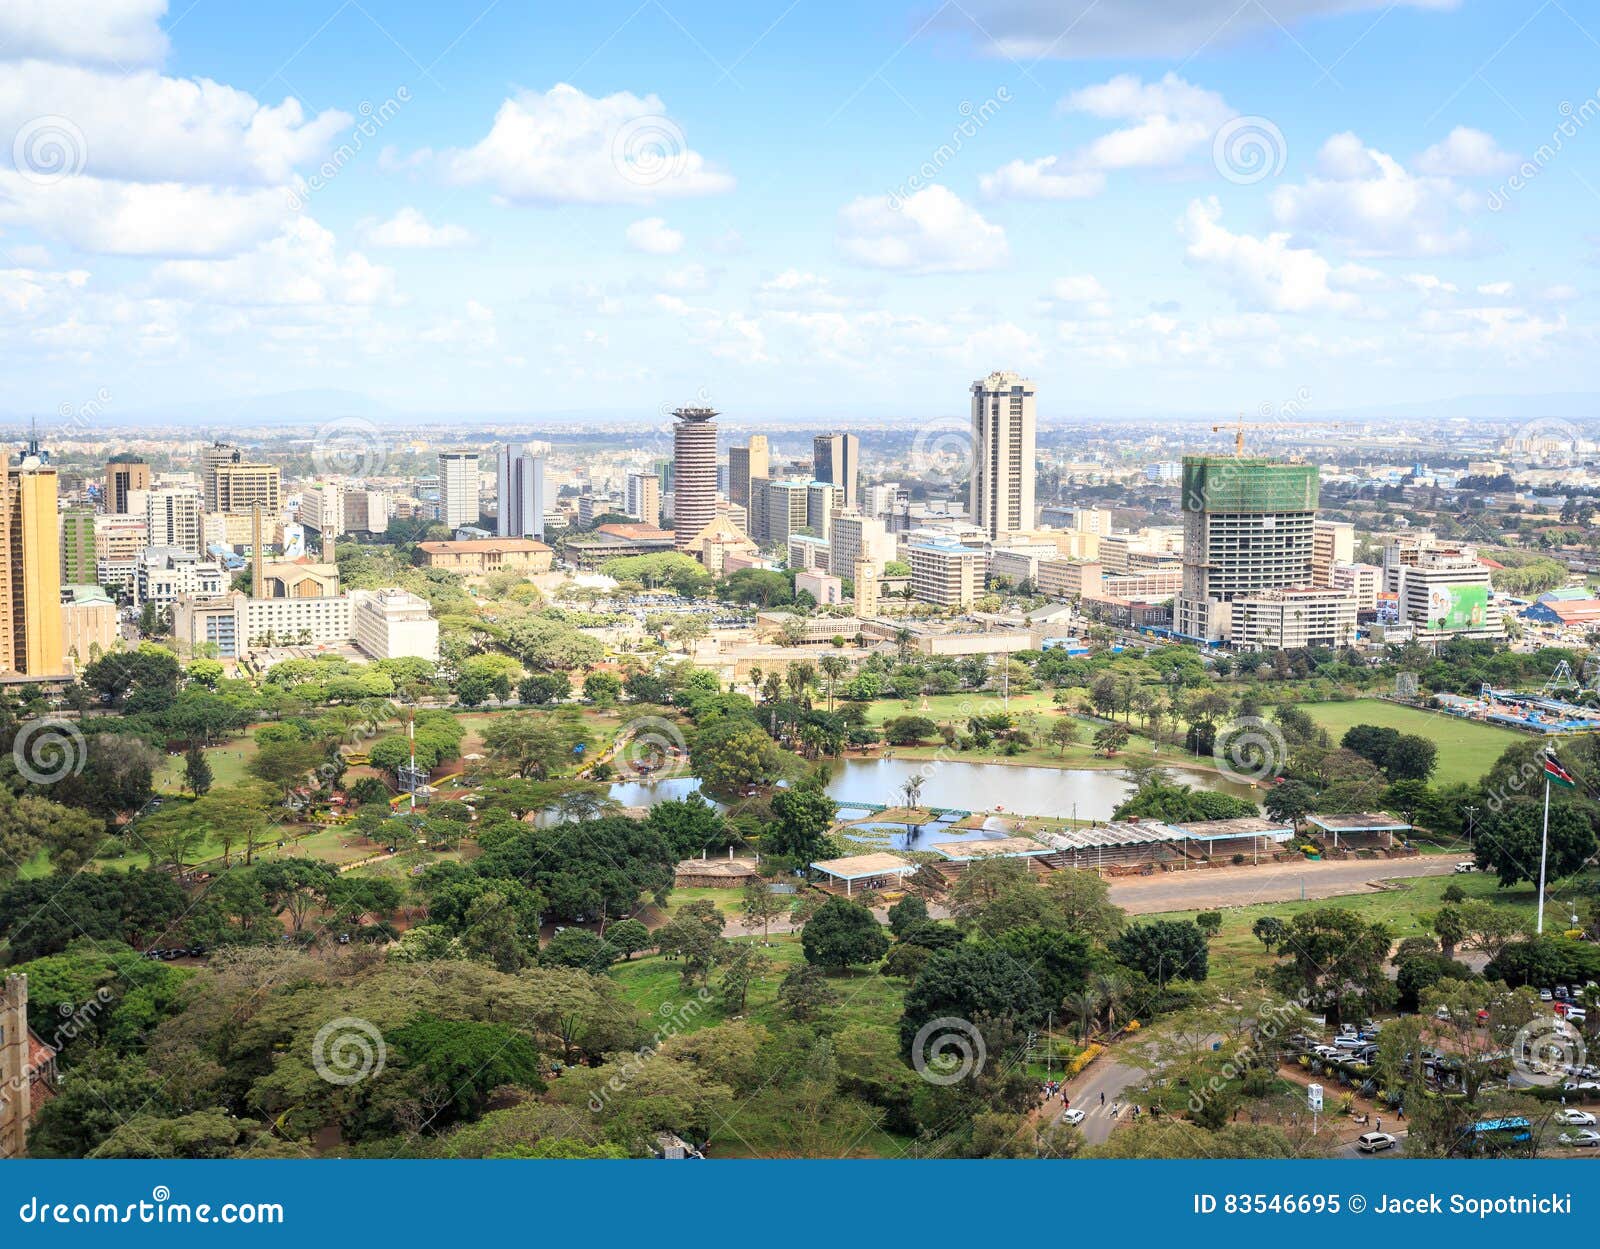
(124, 477)
(744, 463)
(172, 515)
(1247, 527)
(519, 477)
(1000, 496)
(30, 541)
(643, 499)
(458, 488)
(836, 459)
(77, 546)
(211, 458)
(239, 486)
(694, 472)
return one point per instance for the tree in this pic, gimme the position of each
(578, 947)
(1110, 739)
(295, 885)
(601, 688)
(629, 936)
(805, 992)
(196, 771)
(1210, 923)
(908, 911)
(540, 689)
(694, 934)
(1163, 950)
(841, 933)
(1334, 959)
(761, 906)
(968, 981)
(909, 730)
(803, 816)
(1290, 800)
(1270, 931)
(286, 765)
(1508, 840)
(1410, 758)
(1080, 902)
(732, 755)
(1064, 731)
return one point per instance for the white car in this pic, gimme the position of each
(1073, 1117)
(1468, 866)
(1580, 1086)
(1575, 1118)
(1372, 1142)
(1584, 1138)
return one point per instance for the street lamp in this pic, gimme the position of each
(1471, 813)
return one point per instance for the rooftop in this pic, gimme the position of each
(861, 866)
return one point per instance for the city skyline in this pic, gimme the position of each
(1182, 206)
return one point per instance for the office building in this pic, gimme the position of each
(781, 509)
(1292, 619)
(458, 488)
(124, 478)
(163, 574)
(1000, 496)
(239, 487)
(824, 500)
(30, 544)
(394, 624)
(745, 463)
(854, 538)
(77, 546)
(1247, 528)
(1446, 594)
(172, 518)
(643, 500)
(1361, 581)
(212, 458)
(480, 556)
(826, 589)
(1071, 578)
(520, 491)
(694, 473)
(322, 509)
(945, 574)
(365, 511)
(1332, 542)
(836, 459)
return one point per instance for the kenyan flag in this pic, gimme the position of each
(1553, 771)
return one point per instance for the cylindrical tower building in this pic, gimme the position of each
(694, 473)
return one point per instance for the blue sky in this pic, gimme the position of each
(795, 207)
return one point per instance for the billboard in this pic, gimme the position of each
(1457, 606)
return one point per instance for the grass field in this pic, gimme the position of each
(1466, 749)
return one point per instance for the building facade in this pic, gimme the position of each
(458, 488)
(520, 491)
(945, 574)
(836, 459)
(694, 472)
(744, 463)
(1001, 494)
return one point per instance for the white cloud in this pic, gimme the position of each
(1496, 289)
(726, 335)
(97, 32)
(562, 146)
(688, 280)
(1268, 271)
(301, 266)
(142, 219)
(149, 128)
(1029, 29)
(408, 229)
(1038, 179)
(1367, 202)
(654, 237)
(1169, 120)
(932, 231)
(1466, 153)
(1081, 288)
(794, 288)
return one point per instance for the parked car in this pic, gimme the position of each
(1584, 1138)
(1466, 865)
(1575, 1118)
(1580, 1086)
(1546, 996)
(1372, 1142)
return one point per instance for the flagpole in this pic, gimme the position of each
(1544, 849)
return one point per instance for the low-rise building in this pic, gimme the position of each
(1363, 581)
(945, 574)
(486, 555)
(394, 624)
(89, 625)
(824, 587)
(163, 573)
(1290, 619)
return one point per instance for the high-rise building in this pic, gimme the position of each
(172, 518)
(458, 488)
(31, 641)
(836, 459)
(1000, 496)
(365, 511)
(824, 501)
(239, 487)
(322, 509)
(781, 508)
(744, 463)
(212, 458)
(1332, 542)
(124, 477)
(855, 538)
(945, 574)
(1247, 527)
(519, 487)
(644, 498)
(694, 473)
(77, 546)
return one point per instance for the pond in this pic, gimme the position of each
(1082, 793)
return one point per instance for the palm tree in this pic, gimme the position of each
(1083, 1008)
(755, 680)
(1114, 989)
(835, 666)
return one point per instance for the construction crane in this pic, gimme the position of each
(1238, 428)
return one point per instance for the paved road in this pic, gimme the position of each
(1350, 1150)
(1108, 1076)
(1270, 882)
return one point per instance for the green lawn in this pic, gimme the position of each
(1236, 954)
(1467, 749)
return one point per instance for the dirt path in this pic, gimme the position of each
(1272, 882)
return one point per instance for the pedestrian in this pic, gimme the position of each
(1380, 1123)
(1066, 1102)
(1102, 1097)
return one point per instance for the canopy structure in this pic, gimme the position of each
(1359, 825)
(872, 870)
(992, 848)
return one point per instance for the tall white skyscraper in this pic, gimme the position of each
(1000, 496)
(172, 518)
(458, 488)
(520, 476)
(694, 473)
